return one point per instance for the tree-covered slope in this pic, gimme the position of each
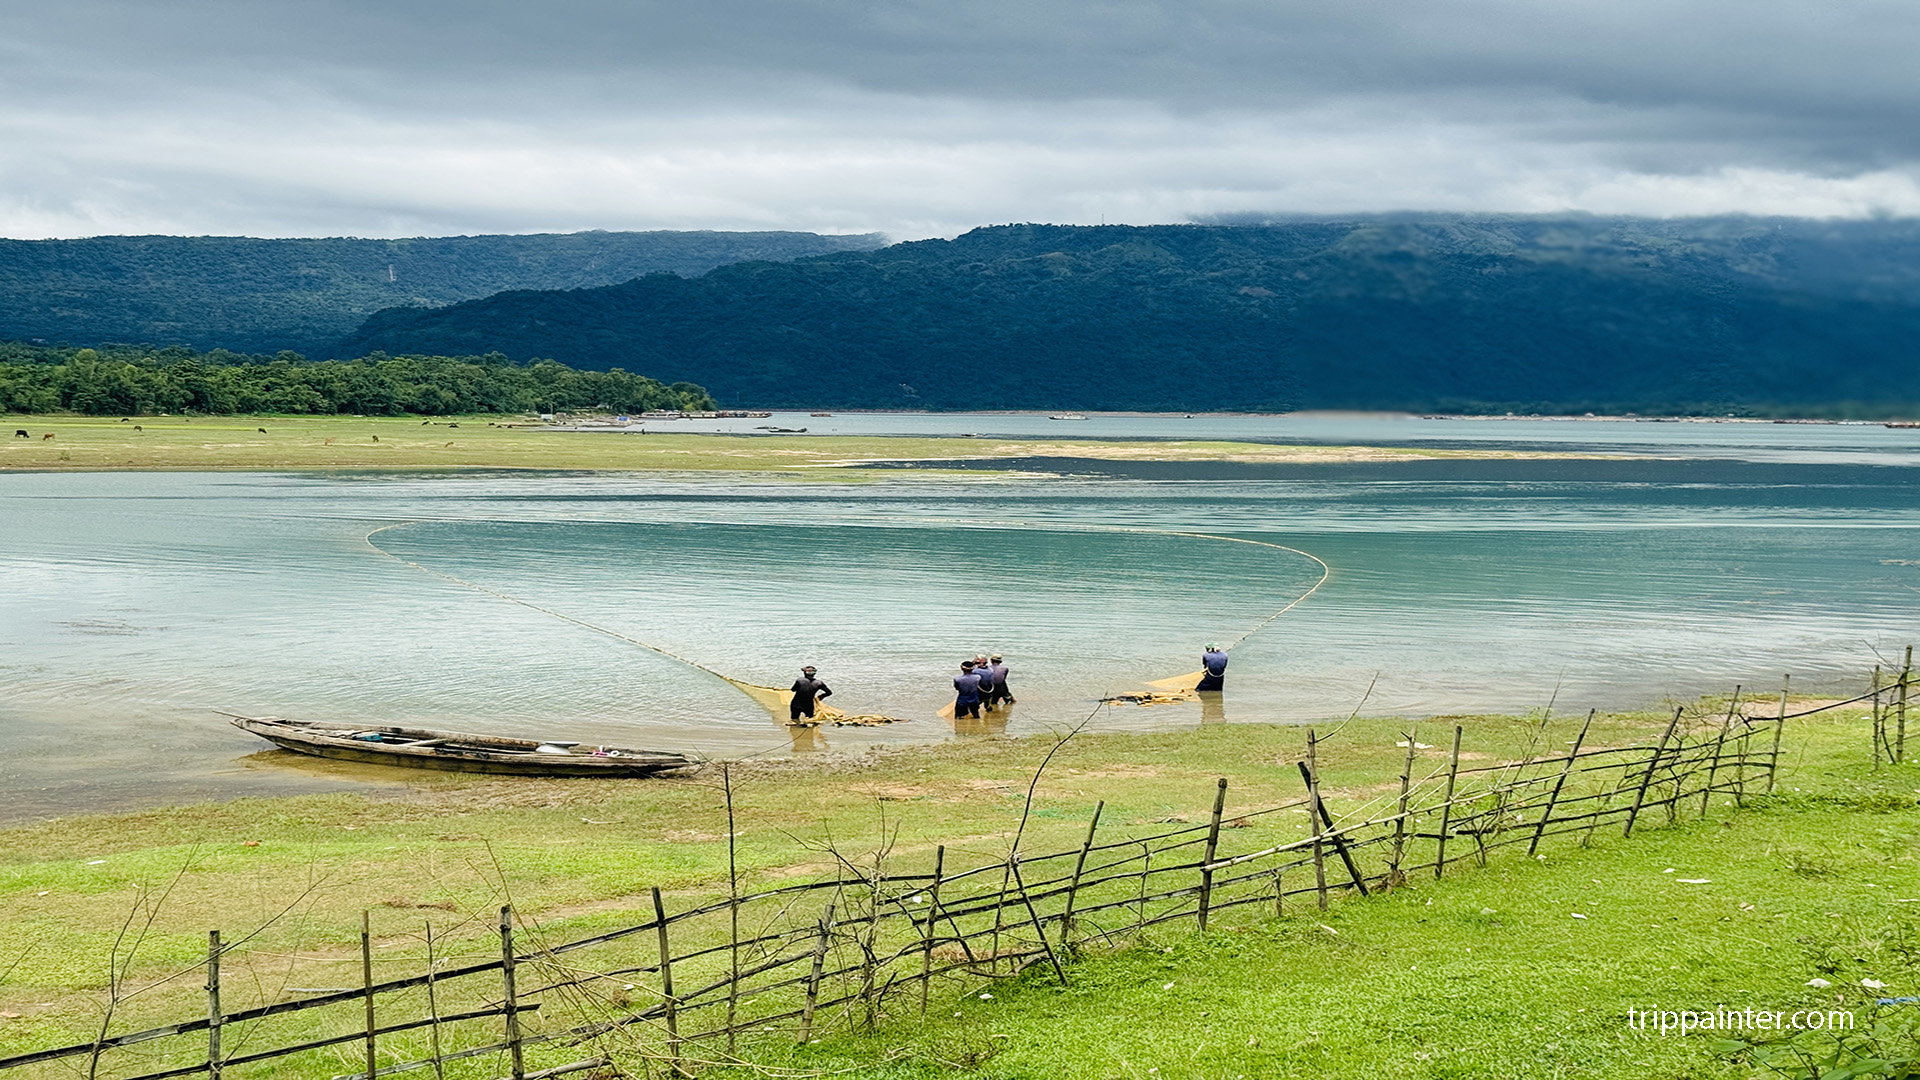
(251, 295)
(130, 382)
(1571, 314)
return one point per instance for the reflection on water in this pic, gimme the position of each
(132, 606)
(989, 722)
(1213, 706)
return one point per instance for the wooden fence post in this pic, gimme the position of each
(1779, 728)
(515, 1053)
(213, 1004)
(667, 1000)
(1073, 886)
(433, 1012)
(1740, 769)
(1646, 778)
(366, 984)
(933, 916)
(1900, 732)
(1873, 726)
(1206, 862)
(869, 971)
(1394, 878)
(733, 912)
(1446, 805)
(1039, 928)
(1546, 816)
(1313, 819)
(813, 980)
(1146, 869)
(1319, 809)
(1713, 773)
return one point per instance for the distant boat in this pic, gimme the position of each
(1904, 424)
(1066, 416)
(453, 751)
(820, 414)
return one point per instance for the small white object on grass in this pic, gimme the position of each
(1576, 915)
(1873, 984)
(986, 997)
(1693, 881)
(1167, 986)
(1818, 983)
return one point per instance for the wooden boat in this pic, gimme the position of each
(454, 751)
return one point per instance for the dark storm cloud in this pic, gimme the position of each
(749, 113)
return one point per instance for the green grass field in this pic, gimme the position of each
(311, 442)
(1486, 973)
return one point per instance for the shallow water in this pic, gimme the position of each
(1741, 440)
(134, 605)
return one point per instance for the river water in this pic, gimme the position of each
(135, 606)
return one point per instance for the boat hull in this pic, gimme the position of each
(454, 751)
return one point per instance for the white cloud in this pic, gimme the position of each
(272, 118)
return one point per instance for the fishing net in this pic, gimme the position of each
(777, 701)
(778, 704)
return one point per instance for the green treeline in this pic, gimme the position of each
(133, 382)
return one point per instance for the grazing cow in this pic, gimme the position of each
(126, 420)
(329, 442)
(376, 438)
(136, 427)
(444, 447)
(453, 425)
(47, 436)
(21, 433)
(262, 431)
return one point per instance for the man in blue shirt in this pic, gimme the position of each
(987, 689)
(966, 688)
(1215, 661)
(997, 672)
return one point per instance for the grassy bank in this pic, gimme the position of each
(1484, 973)
(307, 442)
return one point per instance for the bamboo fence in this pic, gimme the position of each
(702, 985)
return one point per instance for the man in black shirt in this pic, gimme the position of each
(807, 691)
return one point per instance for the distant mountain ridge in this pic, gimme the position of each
(261, 296)
(1475, 314)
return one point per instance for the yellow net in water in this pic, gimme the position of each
(778, 704)
(1178, 682)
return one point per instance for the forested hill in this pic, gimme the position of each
(1472, 314)
(262, 296)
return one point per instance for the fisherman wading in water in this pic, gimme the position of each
(1214, 660)
(807, 692)
(966, 688)
(997, 672)
(987, 687)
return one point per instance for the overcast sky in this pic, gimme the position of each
(927, 117)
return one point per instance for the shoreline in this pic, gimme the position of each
(76, 444)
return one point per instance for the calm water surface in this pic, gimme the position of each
(133, 606)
